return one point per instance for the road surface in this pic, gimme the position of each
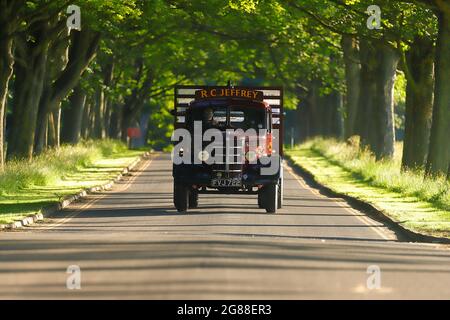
(130, 243)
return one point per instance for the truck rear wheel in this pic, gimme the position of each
(271, 195)
(180, 197)
(193, 199)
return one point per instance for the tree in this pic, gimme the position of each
(350, 48)
(439, 153)
(130, 53)
(82, 51)
(30, 73)
(419, 65)
(7, 26)
(73, 116)
(383, 145)
(12, 15)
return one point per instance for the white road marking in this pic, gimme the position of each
(90, 203)
(359, 215)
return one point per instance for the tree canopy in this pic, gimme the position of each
(120, 68)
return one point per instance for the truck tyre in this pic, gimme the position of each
(193, 199)
(261, 199)
(180, 197)
(280, 194)
(271, 197)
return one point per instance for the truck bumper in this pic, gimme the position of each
(201, 176)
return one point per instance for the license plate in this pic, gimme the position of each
(228, 182)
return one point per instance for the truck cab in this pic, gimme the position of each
(227, 141)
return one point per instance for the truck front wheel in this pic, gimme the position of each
(270, 195)
(180, 197)
(193, 199)
(261, 199)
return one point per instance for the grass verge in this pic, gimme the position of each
(27, 187)
(418, 204)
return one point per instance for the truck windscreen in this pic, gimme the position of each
(247, 118)
(236, 117)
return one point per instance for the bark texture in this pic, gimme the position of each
(439, 151)
(383, 145)
(350, 48)
(28, 86)
(419, 72)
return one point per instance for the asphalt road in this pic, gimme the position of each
(130, 243)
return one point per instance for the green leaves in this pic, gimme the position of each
(273, 42)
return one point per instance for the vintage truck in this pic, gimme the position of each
(227, 140)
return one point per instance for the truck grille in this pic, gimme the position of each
(233, 160)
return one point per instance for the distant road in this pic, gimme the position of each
(131, 243)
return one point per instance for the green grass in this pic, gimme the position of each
(421, 205)
(27, 187)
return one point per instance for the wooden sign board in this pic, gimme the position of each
(220, 92)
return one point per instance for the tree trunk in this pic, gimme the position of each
(82, 51)
(42, 126)
(448, 173)
(85, 123)
(51, 124)
(6, 68)
(134, 103)
(115, 121)
(383, 145)
(315, 110)
(327, 115)
(297, 118)
(108, 116)
(303, 119)
(144, 126)
(113, 129)
(352, 78)
(6, 71)
(108, 76)
(99, 125)
(127, 122)
(45, 134)
(27, 92)
(322, 120)
(56, 63)
(57, 123)
(73, 117)
(364, 126)
(439, 152)
(336, 120)
(419, 102)
(101, 106)
(91, 123)
(28, 86)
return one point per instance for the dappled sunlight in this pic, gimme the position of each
(80, 167)
(401, 196)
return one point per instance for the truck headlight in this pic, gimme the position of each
(203, 156)
(251, 156)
